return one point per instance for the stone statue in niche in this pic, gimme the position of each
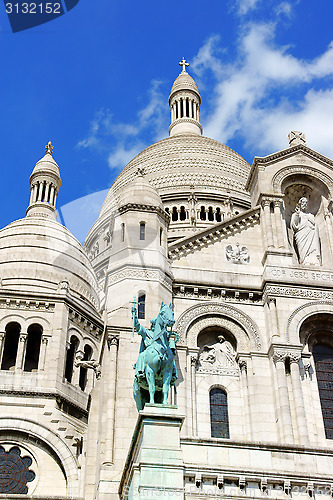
(306, 234)
(218, 355)
(237, 254)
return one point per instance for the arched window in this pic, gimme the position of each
(182, 215)
(12, 337)
(323, 358)
(122, 232)
(84, 371)
(218, 215)
(74, 343)
(142, 230)
(219, 420)
(203, 213)
(142, 306)
(174, 214)
(32, 348)
(210, 214)
(161, 236)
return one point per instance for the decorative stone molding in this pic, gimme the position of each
(140, 274)
(303, 170)
(242, 326)
(216, 293)
(144, 208)
(26, 304)
(297, 292)
(218, 232)
(185, 120)
(303, 312)
(85, 323)
(281, 353)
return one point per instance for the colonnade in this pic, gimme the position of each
(185, 107)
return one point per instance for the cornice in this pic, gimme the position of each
(218, 232)
(144, 208)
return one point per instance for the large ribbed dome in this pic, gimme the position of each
(184, 161)
(38, 253)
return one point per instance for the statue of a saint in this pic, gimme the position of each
(305, 234)
(225, 354)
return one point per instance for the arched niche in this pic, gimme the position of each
(317, 192)
(224, 316)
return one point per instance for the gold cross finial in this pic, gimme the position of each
(184, 64)
(49, 148)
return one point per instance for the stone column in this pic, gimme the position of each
(268, 222)
(271, 301)
(52, 195)
(113, 342)
(279, 225)
(2, 344)
(47, 190)
(190, 106)
(329, 223)
(298, 398)
(20, 356)
(194, 395)
(42, 354)
(286, 424)
(246, 398)
(76, 369)
(40, 191)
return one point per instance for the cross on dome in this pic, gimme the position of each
(49, 148)
(184, 64)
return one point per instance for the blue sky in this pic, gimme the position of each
(96, 83)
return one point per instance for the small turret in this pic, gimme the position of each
(44, 186)
(184, 102)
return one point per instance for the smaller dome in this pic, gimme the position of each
(139, 192)
(46, 165)
(184, 82)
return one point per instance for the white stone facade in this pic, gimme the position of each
(187, 221)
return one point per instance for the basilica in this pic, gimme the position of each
(244, 255)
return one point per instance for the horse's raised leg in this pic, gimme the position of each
(150, 376)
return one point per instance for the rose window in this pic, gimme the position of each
(14, 471)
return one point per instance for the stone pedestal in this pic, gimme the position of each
(154, 465)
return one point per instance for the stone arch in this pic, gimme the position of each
(46, 435)
(303, 312)
(280, 177)
(200, 316)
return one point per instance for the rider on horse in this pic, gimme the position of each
(149, 337)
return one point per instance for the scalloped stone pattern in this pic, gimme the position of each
(185, 161)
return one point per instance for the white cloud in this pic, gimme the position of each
(122, 141)
(266, 92)
(284, 8)
(244, 6)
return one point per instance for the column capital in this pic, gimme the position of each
(112, 340)
(194, 361)
(23, 337)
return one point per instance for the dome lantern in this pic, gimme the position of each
(44, 186)
(184, 102)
